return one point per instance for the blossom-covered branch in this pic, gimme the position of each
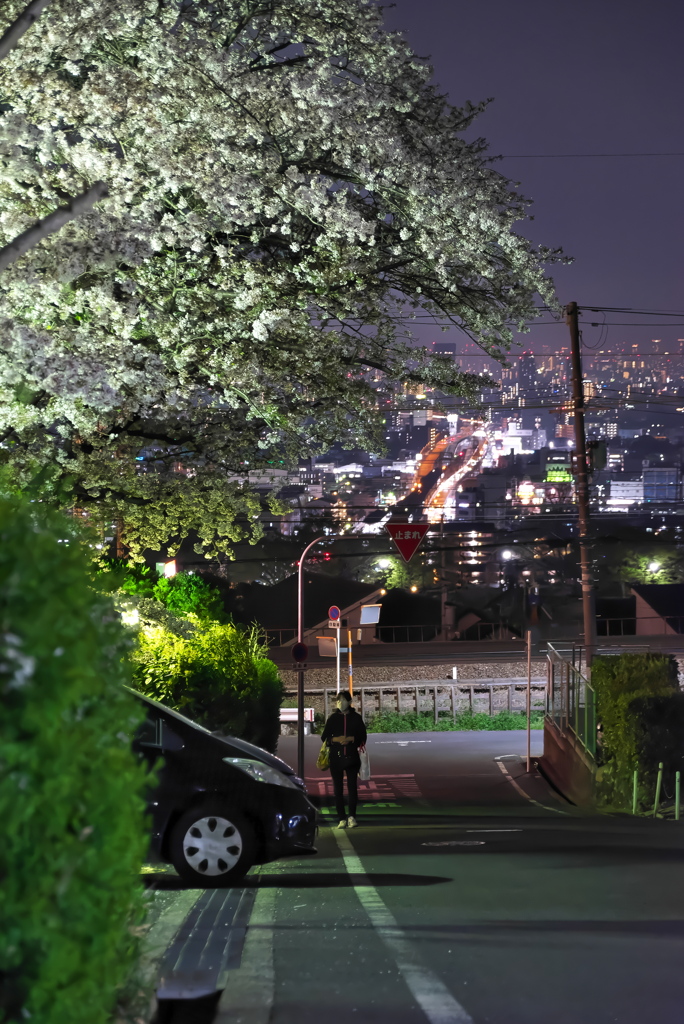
(53, 222)
(13, 34)
(286, 190)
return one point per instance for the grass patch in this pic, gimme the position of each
(410, 721)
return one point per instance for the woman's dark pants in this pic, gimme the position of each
(338, 786)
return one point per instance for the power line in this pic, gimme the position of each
(576, 156)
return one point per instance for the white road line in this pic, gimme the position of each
(431, 994)
(249, 992)
(523, 793)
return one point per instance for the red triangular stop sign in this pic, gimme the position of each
(407, 537)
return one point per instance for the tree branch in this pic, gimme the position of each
(53, 222)
(11, 37)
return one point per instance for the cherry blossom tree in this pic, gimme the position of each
(285, 190)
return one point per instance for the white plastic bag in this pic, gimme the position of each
(364, 773)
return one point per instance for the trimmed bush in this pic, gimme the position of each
(71, 803)
(217, 676)
(641, 711)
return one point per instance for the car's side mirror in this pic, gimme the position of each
(169, 739)
(155, 734)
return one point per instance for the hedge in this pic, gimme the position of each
(71, 803)
(641, 711)
(217, 675)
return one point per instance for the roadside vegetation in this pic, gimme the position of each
(187, 654)
(410, 721)
(71, 790)
(640, 709)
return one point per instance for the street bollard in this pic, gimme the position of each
(635, 790)
(677, 794)
(659, 784)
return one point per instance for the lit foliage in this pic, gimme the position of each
(186, 593)
(392, 572)
(73, 835)
(217, 675)
(643, 563)
(283, 183)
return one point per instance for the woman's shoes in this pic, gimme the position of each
(352, 822)
(343, 823)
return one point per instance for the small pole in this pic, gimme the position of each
(300, 722)
(677, 794)
(337, 656)
(635, 790)
(349, 657)
(529, 699)
(659, 783)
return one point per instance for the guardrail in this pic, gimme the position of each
(571, 698)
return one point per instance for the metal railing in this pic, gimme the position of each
(410, 633)
(644, 625)
(571, 702)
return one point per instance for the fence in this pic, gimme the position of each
(571, 698)
(434, 698)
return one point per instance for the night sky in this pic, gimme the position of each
(591, 76)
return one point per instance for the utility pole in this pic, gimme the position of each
(582, 486)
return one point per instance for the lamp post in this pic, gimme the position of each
(300, 671)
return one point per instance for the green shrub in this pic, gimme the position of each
(641, 712)
(410, 721)
(217, 676)
(186, 593)
(71, 803)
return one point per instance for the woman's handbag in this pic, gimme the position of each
(364, 773)
(323, 759)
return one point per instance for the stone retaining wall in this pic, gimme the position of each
(367, 675)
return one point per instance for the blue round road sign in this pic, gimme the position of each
(333, 612)
(300, 652)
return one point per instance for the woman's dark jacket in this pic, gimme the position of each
(351, 724)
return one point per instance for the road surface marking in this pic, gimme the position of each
(248, 995)
(431, 994)
(381, 788)
(401, 743)
(522, 792)
(457, 842)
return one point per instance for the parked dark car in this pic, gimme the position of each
(220, 804)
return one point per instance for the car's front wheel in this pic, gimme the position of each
(212, 846)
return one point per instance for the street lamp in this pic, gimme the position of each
(653, 566)
(300, 671)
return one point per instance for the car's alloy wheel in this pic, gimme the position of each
(212, 846)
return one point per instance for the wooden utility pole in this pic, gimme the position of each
(582, 486)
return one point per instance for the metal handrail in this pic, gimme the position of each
(571, 699)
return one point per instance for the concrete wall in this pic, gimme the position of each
(567, 766)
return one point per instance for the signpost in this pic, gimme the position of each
(407, 537)
(334, 622)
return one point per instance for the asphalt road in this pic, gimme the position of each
(471, 892)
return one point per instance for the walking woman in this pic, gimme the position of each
(345, 733)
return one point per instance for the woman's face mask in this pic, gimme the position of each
(343, 704)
